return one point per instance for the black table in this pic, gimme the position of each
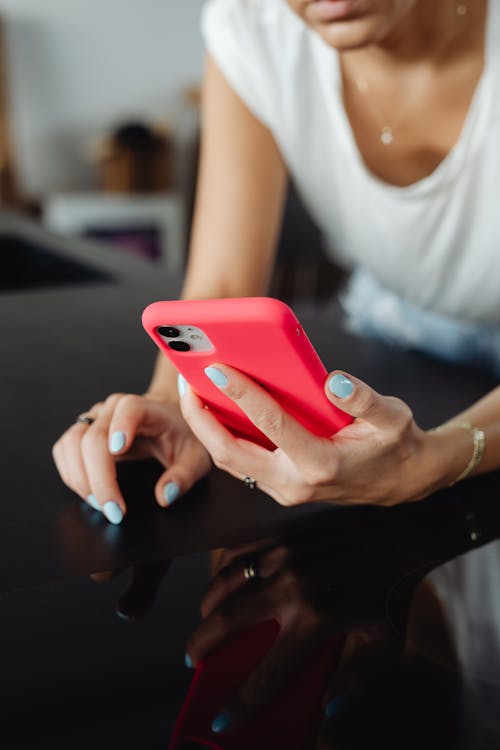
(88, 664)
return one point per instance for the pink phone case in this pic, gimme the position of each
(261, 337)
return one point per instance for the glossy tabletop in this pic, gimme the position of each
(388, 617)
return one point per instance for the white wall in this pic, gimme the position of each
(77, 67)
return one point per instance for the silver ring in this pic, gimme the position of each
(250, 483)
(249, 571)
(84, 419)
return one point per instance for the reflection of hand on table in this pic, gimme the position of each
(141, 592)
(315, 586)
(356, 576)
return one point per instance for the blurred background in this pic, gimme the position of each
(99, 105)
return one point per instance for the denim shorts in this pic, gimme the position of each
(373, 311)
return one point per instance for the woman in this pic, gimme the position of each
(384, 113)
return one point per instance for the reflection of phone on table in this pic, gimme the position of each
(259, 336)
(288, 721)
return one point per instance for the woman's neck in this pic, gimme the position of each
(431, 32)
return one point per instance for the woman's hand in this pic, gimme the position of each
(383, 457)
(129, 427)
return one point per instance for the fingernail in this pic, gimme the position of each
(221, 722)
(116, 442)
(335, 706)
(216, 376)
(181, 384)
(123, 615)
(340, 386)
(113, 512)
(171, 492)
(92, 500)
(188, 661)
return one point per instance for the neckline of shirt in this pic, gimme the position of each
(473, 127)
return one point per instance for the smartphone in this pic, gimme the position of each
(259, 336)
(290, 719)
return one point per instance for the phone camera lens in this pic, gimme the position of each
(169, 332)
(179, 346)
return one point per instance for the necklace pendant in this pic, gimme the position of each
(387, 136)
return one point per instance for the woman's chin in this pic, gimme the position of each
(347, 35)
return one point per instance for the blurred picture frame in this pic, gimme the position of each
(149, 226)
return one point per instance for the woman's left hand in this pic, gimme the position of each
(382, 458)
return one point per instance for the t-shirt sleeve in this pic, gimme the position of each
(235, 36)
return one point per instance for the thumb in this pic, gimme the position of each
(189, 465)
(133, 417)
(356, 398)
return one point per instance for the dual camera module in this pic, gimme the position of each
(185, 338)
(170, 332)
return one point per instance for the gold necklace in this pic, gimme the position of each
(386, 134)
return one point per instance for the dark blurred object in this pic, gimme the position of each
(9, 189)
(135, 158)
(303, 270)
(28, 265)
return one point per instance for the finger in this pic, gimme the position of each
(141, 594)
(240, 458)
(267, 415)
(355, 658)
(189, 465)
(360, 401)
(234, 577)
(69, 463)
(100, 466)
(134, 416)
(273, 471)
(282, 665)
(244, 551)
(105, 576)
(253, 604)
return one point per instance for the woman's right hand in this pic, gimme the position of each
(129, 426)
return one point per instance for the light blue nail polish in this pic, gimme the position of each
(340, 386)
(335, 706)
(181, 384)
(113, 512)
(221, 722)
(116, 442)
(216, 376)
(188, 661)
(171, 492)
(92, 500)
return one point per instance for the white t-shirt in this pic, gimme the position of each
(436, 242)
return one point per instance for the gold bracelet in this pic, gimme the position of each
(477, 450)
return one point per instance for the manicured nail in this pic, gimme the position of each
(335, 706)
(93, 501)
(113, 512)
(116, 442)
(221, 722)
(216, 376)
(340, 386)
(188, 661)
(171, 492)
(181, 384)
